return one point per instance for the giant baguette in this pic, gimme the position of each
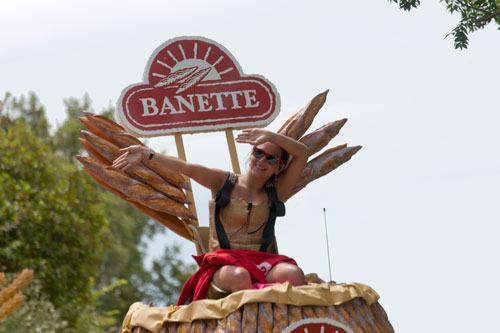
(287, 122)
(122, 139)
(110, 152)
(169, 221)
(173, 178)
(113, 131)
(136, 190)
(323, 164)
(85, 121)
(92, 152)
(308, 172)
(103, 123)
(301, 121)
(320, 137)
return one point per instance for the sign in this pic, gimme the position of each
(317, 325)
(193, 84)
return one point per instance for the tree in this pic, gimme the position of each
(66, 135)
(49, 220)
(29, 111)
(475, 15)
(50, 204)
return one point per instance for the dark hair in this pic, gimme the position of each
(284, 156)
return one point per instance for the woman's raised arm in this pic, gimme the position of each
(213, 179)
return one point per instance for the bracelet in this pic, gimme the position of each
(151, 154)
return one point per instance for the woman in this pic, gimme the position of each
(244, 217)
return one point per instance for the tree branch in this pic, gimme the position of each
(464, 3)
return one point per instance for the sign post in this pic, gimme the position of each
(232, 151)
(179, 143)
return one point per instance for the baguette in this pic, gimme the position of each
(172, 177)
(122, 139)
(323, 164)
(320, 137)
(113, 131)
(105, 148)
(287, 122)
(92, 128)
(151, 178)
(104, 124)
(92, 152)
(301, 121)
(136, 190)
(169, 221)
(110, 152)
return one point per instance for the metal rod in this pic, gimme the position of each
(327, 247)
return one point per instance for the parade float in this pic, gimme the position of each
(193, 85)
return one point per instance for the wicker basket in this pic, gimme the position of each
(357, 312)
(275, 317)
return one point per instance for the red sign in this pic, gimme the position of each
(317, 325)
(192, 84)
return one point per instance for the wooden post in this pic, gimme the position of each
(232, 151)
(182, 155)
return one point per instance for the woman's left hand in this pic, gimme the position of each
(254, 136)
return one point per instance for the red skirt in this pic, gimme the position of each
(258, 264)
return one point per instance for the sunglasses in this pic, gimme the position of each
(271, 159)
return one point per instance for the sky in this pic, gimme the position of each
(414, 214)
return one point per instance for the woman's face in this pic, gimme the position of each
(261, 166)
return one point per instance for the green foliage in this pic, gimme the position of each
(29, 111)
(87, 246)
(475, 15)
(66, 135)
(49, 220)
(93, 319)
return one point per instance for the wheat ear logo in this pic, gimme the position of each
(192, 84)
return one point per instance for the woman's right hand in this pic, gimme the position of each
(131, 156)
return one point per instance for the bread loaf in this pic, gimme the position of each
(287, 122)
(105, 148)
(323, 164)
(300, 123)
(117, 135)
(139, 172)
(92, 152)
(171, 222)
(123, 139)
(113, 131)
(173, 178)
(104, 124)
(86, 122)
(136, 190)
(320, 137)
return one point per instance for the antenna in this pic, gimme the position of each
(327, 247)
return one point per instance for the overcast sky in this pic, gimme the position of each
(414, 214)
